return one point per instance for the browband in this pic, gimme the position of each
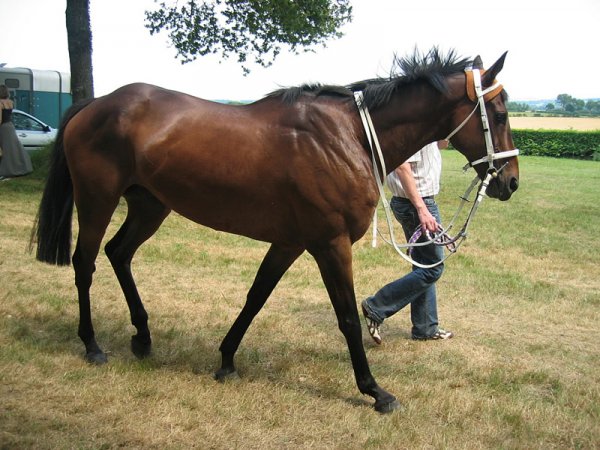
(488, 94)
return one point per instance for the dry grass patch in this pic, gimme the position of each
(555, 123)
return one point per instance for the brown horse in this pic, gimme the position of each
(293, 169)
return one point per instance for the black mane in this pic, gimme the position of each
(292, 94)
(432, 66)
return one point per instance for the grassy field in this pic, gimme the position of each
(522, 296)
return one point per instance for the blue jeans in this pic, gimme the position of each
(418, 286)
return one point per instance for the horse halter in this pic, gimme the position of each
(476, 93)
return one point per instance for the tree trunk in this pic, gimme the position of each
(79, 35)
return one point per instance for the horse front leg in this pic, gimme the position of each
(276, 262)
(335, 263)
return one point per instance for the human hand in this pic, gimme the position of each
(428, 223)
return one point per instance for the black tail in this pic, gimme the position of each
(51, 232)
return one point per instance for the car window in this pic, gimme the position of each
(26, 123)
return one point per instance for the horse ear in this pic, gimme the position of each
(490, 74)
(478, 63)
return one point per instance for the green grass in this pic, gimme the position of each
(522, 297)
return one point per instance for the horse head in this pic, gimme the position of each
(482, 107)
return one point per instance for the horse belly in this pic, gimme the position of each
(236, 197)
(265, 219)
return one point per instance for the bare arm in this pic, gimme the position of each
(404, 172)
(5, 104)
(407, 179)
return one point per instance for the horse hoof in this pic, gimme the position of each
(97, 358)
(141, 348)
(387, 407)
(223, 375)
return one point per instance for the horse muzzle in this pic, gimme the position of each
(503, 186)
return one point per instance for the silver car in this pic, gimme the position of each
(31, 131)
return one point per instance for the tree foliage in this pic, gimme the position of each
(593, 106)
(563, 100)
(570, 103)
(576, 106)
(248, 28)
(517, 107)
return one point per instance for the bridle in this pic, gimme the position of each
(476, 93)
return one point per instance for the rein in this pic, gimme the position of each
(476, 93)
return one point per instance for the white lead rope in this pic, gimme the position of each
(376, 150)
(377, 155)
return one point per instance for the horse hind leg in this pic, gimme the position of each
(276, 262)
(93, 216)
(145, 215)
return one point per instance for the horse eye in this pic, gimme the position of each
(501, 117)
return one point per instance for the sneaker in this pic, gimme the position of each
(372, 326)
(439, 334)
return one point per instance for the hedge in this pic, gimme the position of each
(558, 144)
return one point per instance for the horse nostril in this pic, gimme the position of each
(514, 184)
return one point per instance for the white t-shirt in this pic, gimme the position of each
(426, 167)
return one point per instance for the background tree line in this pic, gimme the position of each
(565, 104)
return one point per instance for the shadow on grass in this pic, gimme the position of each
(179, 350)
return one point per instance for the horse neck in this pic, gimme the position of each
(412, 119)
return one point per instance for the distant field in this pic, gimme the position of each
(555, 123)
